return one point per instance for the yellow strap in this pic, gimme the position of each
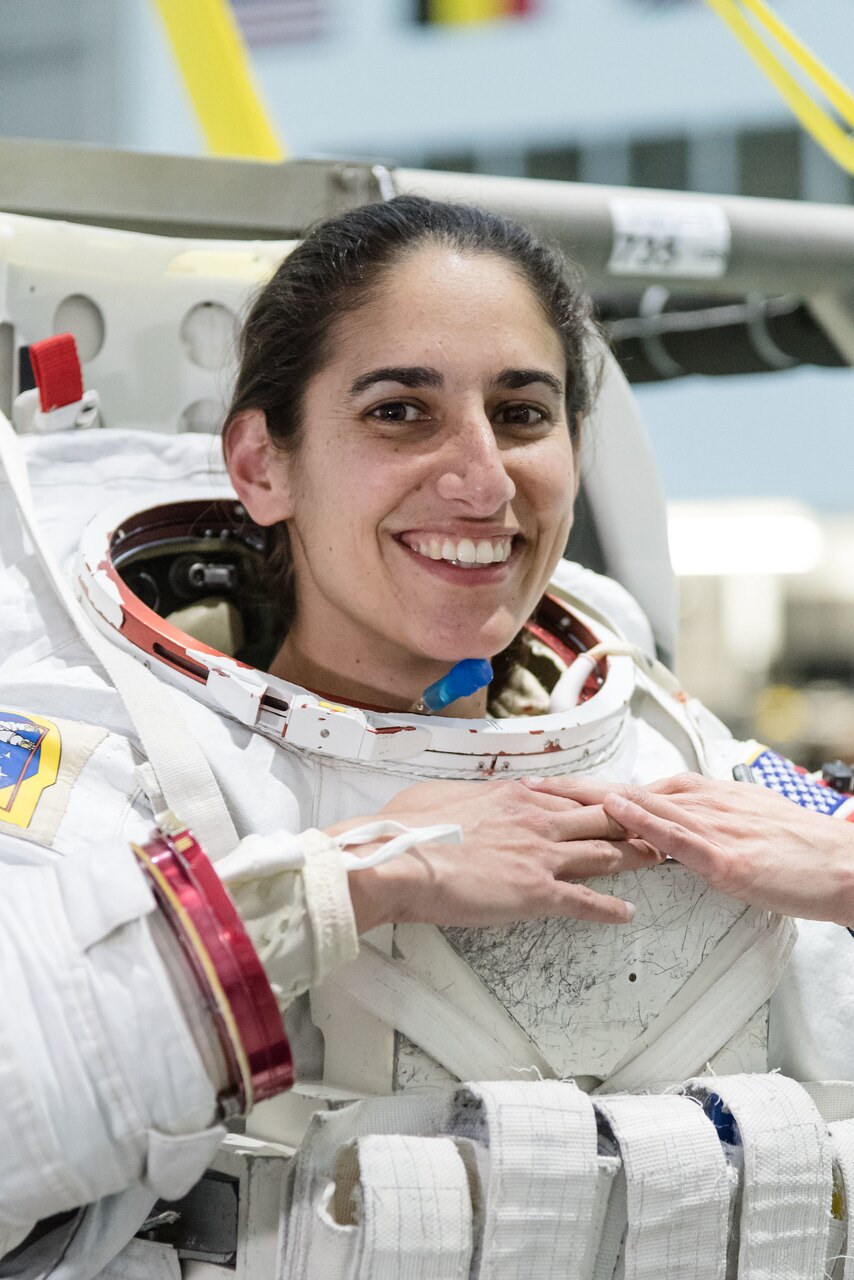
(825, 80)
(209, 48)
(815, 118)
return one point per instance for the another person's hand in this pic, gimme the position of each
(746, 841)
(521, 857)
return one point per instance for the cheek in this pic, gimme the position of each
(550, 486)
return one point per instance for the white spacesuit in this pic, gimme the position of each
(687, 984)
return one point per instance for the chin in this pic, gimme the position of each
(478, 646)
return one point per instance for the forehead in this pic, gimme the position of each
(443, 305)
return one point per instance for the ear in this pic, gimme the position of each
(260, 473)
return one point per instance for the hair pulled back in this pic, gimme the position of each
(288, 334)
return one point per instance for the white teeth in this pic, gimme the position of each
(465, 552)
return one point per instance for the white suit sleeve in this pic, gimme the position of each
(301, 923)
(101, 1080)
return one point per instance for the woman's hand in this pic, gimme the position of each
(521, 856)
(746, 841)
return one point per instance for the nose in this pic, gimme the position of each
(473, 468)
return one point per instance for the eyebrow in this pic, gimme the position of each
(422, 376)
(404, 375)
(515, 379)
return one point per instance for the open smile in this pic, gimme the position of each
(481, 560)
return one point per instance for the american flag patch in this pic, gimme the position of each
(779, 774)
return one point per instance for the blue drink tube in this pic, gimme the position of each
(465, 678)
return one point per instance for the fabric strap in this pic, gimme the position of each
(677, 1188)
(416, 1219)
(787, 1182)
(184, 777)
(406, 1002)
(833, 1098)
(475, 1038)
(842, 1140)
(542, 1182)
(718, 999)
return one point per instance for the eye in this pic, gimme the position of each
(521, 415)
(397, 411)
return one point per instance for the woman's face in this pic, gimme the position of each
(431, 495)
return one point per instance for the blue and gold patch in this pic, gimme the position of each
(30, 752)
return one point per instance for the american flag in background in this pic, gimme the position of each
(282, 21)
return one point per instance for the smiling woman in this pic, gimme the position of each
(412, 389)
(404, 435)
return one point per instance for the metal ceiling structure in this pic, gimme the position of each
(782, 292)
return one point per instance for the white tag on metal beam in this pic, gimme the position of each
(655, 237)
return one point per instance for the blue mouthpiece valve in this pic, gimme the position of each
(465, 678)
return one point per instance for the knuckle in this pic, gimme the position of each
(675, 837)
(722, 874)
(612, 860)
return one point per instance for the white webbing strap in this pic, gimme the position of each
(842, 1142)
(716, 1001)
(610, 1253)
(409, 1208)
(475, 1038)
(677, 1188)
(183, 774)
(404, 1000)
(787, 1181)
(308, 1236)
(542, 1182)
(833, 1098)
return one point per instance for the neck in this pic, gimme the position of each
(360, 683)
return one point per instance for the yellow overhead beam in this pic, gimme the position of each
(798, 75)
(215, 67)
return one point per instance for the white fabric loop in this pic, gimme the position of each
(541, 1189)
(258, 856)
(413, 1210)
(677, 1188)
(787, 1179)
(842, 1139)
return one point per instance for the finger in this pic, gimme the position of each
(588, 859)
(582, 791)
(578, 902)
(683, 784)
(664, 825)
(587, 822)
(674, 807)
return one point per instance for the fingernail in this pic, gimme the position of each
(632, 910)
(533, 780)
